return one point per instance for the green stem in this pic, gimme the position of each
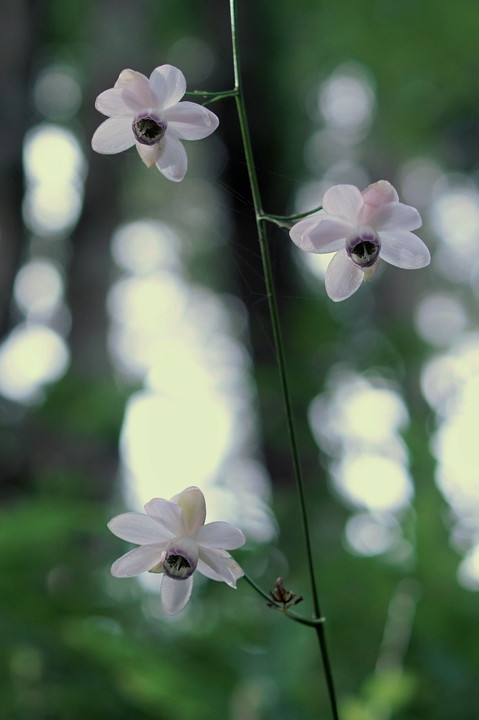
(312, 622)
(288, 220)
(211, 97)
(275, 221)
(273, 308)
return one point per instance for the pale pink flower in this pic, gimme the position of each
(174, 540)
(361, 228)
(148, 113)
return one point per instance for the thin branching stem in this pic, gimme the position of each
(287, 220)
(273, 308)
(312, 622)
(211, 97)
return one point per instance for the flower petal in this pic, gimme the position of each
(233, 567)
(130, 78)
(395, 216)
(191, 121)
(192, 502)
(375, 196)
(208, 571)
(303, 227)
(380, 193)
(344, 201)
(139, 529)
(320, 233)
(169, 514)
(236, 570)
(219, 565)
(168, 84)
(136, 89)
(148, 153)
(111, 102)
(172, 162)
(114, 135)
(175, 594)
(404, 249)
(138, 560)
(342, 277)
(220, 535)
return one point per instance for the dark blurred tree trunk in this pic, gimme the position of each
(20, 37)
(89, 272)
(255, 46)
(21, 29)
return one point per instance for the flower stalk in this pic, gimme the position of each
(211, 97)
(287, 220)
(261, 219)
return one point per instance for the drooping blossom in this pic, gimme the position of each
(148, 113)
(174, 540)
(361, 228)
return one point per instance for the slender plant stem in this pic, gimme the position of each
(211, 97)
(287, 220)
(280, 222)
(259, 590)
(212, 93)
(298, 216)
(273, 308)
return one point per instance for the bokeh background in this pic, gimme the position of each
(136, 359)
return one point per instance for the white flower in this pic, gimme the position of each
(148, 113)
(174, 540)
(361, 228)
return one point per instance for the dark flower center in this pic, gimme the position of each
(178, 566)
(148, 130)
(363, 247)
(178, 562)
